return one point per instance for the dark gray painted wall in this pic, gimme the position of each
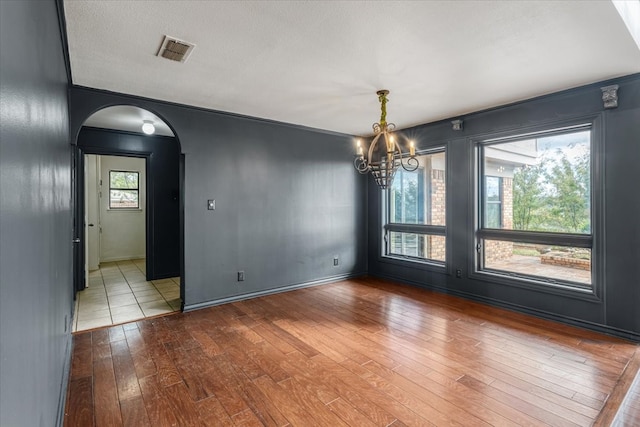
(287, 199)
(618, 312)
(35, 216)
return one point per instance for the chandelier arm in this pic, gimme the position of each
(398, 149)
(390, 153)
(372, 146)
(361, 165)
(411, 164)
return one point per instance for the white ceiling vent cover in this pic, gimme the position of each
(175, 49)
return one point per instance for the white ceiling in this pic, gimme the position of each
(319, 64)
(127, 118)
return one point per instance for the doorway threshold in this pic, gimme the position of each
(118, 292)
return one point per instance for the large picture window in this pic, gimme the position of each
(534, 211)
(123, 190)
(416, 211)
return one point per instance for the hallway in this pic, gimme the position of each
(118, 292)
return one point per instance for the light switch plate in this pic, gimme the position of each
(211, 205)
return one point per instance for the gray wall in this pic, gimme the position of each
(287, 200)
(618, 310)
(35, 222)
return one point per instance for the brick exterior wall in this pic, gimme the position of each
(436, 245)
(507, 203)
(561, 261)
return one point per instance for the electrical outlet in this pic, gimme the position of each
(336, 260)
(211, 204)
(240, 276)
(459, 273)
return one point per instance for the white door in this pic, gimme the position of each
(92, 211)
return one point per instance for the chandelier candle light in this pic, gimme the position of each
(383, 165)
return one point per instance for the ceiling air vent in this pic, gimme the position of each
(175, 50)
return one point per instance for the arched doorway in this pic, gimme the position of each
(127, 210)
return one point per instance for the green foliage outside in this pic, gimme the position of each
(122, 180)
(405, 193)
(527, 197)
(553, 195)
(525, 252)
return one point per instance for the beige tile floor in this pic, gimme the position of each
(118, 293)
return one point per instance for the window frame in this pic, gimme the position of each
(593, 240)
(136, 189)
(419, 229)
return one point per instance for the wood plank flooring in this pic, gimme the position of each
(361, 352)
(629, 413)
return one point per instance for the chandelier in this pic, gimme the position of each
(383, 162)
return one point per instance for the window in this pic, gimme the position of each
(535, 208)
(493, 202)
(123, 190)
(416, 211)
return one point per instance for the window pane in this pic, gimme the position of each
(123, 199)
(417, 245)
(493, 206)
(493, 215)
(123, 179)
(419, 197)
(560, 263)
(541, 184)
(493, 189)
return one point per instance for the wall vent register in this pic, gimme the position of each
(175, 49)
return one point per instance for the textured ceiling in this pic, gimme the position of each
(319, 64)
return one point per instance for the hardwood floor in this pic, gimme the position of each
(354, 353)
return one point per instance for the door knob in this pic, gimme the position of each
(90, 225)
(77, 240)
